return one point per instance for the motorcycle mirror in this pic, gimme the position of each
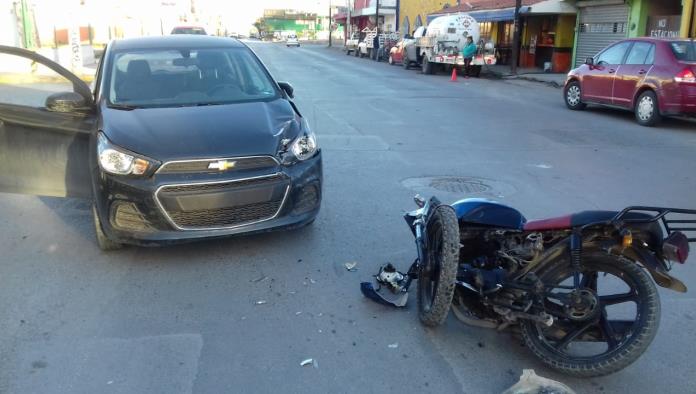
(420, 201)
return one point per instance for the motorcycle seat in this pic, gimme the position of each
(576, 220)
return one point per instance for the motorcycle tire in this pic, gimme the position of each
(624, 351)
(438, 275)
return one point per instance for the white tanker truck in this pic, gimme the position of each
(442, 41)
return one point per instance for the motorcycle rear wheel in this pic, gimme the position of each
(626, 340)
(437, 276)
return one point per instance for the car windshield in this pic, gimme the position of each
(175, 78)
(189, 30)
(684, 50)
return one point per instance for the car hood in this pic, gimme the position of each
(213, 131)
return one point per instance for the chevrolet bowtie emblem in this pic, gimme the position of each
(221, 165)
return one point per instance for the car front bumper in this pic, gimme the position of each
(169, 208)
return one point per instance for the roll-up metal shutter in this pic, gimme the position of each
(600, 26)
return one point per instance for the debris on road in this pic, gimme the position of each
(351, 267)
(393, 345)
(261, 279)
(261, 302)
(309, 361)
(312, 281)
(531, 383)
(396, 282)
(298, 313)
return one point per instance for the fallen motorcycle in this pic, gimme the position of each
(578, 287)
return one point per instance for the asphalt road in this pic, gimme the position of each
(185, 318)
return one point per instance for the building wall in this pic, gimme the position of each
(411, 9)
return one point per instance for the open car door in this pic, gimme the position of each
(47, 117)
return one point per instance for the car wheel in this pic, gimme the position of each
(573, 96)
(427, 66)
(647, 111)
(103, 241)
(406, 63)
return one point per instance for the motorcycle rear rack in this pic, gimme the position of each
(686, 223)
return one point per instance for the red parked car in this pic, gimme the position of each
(653, 77)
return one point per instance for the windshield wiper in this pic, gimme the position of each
(124, 107)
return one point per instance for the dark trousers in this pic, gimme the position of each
(467, 66)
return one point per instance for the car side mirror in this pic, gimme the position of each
(65, 102)
(589, 61)
(287, 88)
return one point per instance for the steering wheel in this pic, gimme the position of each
(213, 91)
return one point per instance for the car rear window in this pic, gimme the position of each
(684, 50)
(187, 77)
(189, 30)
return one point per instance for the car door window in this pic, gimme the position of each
(614, 54)
(27, 83)
(640, 53)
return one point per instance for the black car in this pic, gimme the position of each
(183, 137)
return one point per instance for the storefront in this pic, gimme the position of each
(548, 36)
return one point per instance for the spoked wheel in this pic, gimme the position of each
(605, 326)
(437, 275)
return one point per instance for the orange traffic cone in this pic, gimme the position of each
(454, 74)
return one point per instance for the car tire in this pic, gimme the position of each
(104, 243)
(357, 52)
(406, 63)
(647, 109)
(427, 66)
(572, 94)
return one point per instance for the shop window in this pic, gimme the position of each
(505, 33)
(485, 30)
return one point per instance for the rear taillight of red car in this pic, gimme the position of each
(676, 247)
(686, 75)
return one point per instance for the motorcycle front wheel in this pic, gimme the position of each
(607, 325)
(438, 274)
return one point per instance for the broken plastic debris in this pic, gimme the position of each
(309, 361)
(352, 266)
(531, 383)
(394, 345)
(261, 302)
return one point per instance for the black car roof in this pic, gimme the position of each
(175, 41)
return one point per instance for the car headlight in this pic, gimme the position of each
(304, 146)
(116, 161)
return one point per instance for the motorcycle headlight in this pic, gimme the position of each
(115, 160)
(304, 146)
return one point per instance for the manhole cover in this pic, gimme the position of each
(460, 185)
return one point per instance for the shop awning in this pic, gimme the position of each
(550, 7)
(505, 14)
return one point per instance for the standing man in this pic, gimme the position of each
(468, 53)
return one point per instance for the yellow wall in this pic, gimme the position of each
(413, 8)
(565, 31)
(688, 19)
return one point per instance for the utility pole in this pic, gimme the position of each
(377, 17)
(330, 23)
(349, 25)
(516, 38)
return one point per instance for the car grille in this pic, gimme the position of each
(226, 217)
(223, 204)
(202, 166)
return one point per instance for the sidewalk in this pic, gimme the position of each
(528, 74)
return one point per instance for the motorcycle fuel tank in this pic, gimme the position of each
(484, 212)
